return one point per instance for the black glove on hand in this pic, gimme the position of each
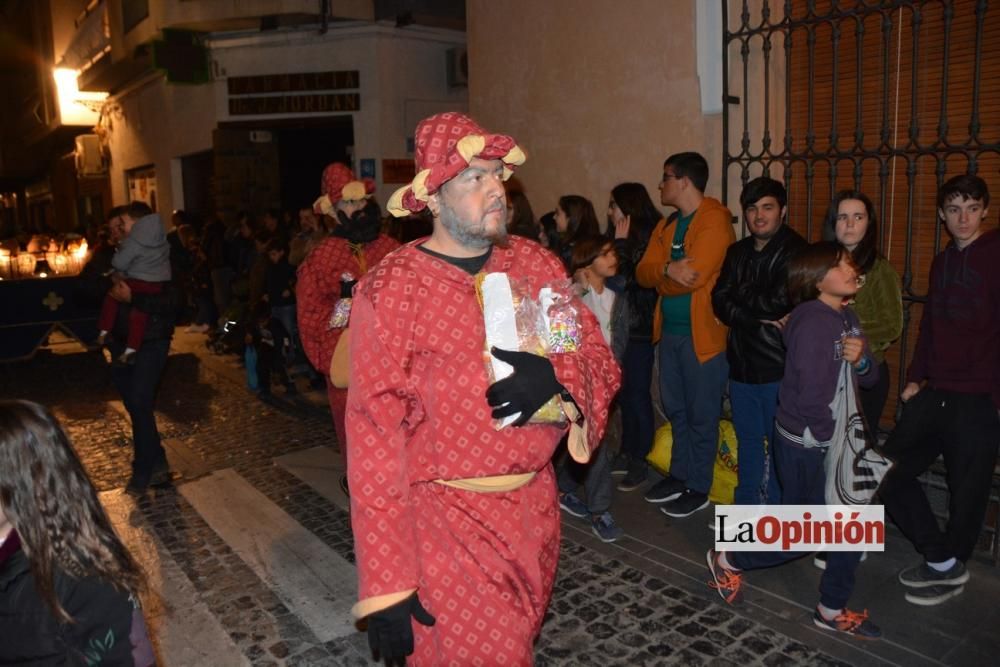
(390, 633)
(531, 385)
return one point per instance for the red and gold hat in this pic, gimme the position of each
(445, 144)
(338, 183)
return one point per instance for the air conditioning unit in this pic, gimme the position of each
(457, 70)
(89, 159)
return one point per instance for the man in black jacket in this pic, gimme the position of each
(750, 298)
(139, 382)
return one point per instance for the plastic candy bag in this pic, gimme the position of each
(514, 321)
(562, 321)
(341, 315)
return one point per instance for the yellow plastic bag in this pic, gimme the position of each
(725, 474)
(725, 470)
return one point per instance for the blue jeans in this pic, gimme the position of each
(754, 406)
(691, 393)
(287, 316)
(138, 384)
(803, 482)
(636, 402)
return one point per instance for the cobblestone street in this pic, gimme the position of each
(249, 555)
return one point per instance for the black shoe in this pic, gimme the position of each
(162, 477)
(686, 504)
(932, 595)
(135, 488)
(620, 465)
(924, 576)
(632, 481)
(665, 491)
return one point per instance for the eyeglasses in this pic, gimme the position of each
(666, 176)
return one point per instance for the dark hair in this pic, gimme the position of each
(965, 186)
(276, 243)
(866, 252)
(582, 219)
(633, 200)
(262, 236)
(117, 212)
(48, 498)
(808, 267)
(690, 165)
(547, 224)
(586, 250)
(760, 187)
(522, 222)
(138, 209)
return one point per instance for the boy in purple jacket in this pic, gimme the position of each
(821, 334)
(951, 396)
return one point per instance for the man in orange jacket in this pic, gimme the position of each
(682, 262)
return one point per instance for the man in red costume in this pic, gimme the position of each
(456, 523)
(328, 273)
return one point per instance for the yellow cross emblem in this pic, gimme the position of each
(53, 301)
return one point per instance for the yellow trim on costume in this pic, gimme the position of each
(395, 205)
(514, 156)
(576, 442)
(354, 191)
(379, 602)
(324, 204)
(470, 146)
(419, 185)
(495, 484)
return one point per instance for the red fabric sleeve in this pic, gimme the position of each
(382, 412)
(317, 292)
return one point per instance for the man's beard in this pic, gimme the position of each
(474, 236)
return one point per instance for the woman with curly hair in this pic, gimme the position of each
(68, 586)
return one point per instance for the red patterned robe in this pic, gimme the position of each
(317, 291)
(483, 562)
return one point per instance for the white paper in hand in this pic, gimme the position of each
(501, 326)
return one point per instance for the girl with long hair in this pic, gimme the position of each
(850, 221)
(68, 586)
(575, 219)
(631, 220)
(520, 218)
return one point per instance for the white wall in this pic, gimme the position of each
(595, 92)
(402, 78)
(156, 123)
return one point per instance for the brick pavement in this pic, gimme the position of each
(604, 611)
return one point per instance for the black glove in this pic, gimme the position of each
(347, 288)
(390, 634)
(530, 387)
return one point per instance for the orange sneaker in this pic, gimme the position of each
(849, 622)
(728, 582)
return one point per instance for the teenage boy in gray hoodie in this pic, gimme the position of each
(143, 262)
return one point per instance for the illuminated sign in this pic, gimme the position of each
(76, 107)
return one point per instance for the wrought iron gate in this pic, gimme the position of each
(890, 98)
